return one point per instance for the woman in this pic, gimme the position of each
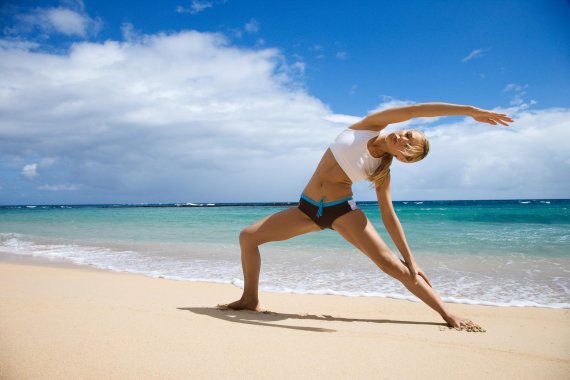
(358, 153)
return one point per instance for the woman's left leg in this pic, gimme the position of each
(357, 230)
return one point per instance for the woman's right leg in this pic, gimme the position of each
(359, 231)
(280, 226)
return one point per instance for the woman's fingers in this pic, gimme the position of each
(494, 119)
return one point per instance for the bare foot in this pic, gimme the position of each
(463, 324)
(241, 305)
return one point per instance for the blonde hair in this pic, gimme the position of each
(412, 153)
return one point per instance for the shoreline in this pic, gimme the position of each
(61, 263)
(56, 262)
(81, 322)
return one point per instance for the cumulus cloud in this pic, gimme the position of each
(477, 53)
(190, 117)
(129, 32)
(30, 171)
(469, 160)
(167, 117)
(70, 21)
(390, 102)
(342, 119)
(196, 6)
(517, 93)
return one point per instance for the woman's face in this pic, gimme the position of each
(398, 141)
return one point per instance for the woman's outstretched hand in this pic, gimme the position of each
(415, 271)
(491, 117)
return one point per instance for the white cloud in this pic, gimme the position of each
(347, 120)
(164, 117)
(196, 6)
(518, 93)
(252, 26)
(469, 160)
(190, 117)
(514, 87)
(67, 22)
(64, 20)
(390, 102)
(299, 66)
(129, 32)
(477, 53)
(30, 171)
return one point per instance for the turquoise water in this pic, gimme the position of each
(488, 252)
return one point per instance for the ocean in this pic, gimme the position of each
(501, 253)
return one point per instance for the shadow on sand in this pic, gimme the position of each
(267, 318)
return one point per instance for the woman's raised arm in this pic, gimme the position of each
(379, 120)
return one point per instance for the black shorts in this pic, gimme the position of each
(324, 214)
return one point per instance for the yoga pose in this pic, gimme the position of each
(361, 152)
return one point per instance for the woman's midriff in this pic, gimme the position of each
(329, 180)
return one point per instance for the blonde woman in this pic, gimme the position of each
(361, 152)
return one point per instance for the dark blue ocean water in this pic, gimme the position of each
(503, 253)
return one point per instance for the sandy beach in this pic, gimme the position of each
(79, 323)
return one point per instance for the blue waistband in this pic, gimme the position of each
(322, 202)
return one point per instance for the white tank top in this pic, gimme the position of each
(351, 152)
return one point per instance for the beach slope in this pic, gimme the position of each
(76, 323)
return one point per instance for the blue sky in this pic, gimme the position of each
(178, 101)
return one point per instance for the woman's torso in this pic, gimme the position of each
(329, 179)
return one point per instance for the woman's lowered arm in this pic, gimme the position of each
(395, 230)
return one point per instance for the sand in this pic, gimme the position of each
(80, 323)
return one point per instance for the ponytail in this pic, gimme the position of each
(382, 171)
